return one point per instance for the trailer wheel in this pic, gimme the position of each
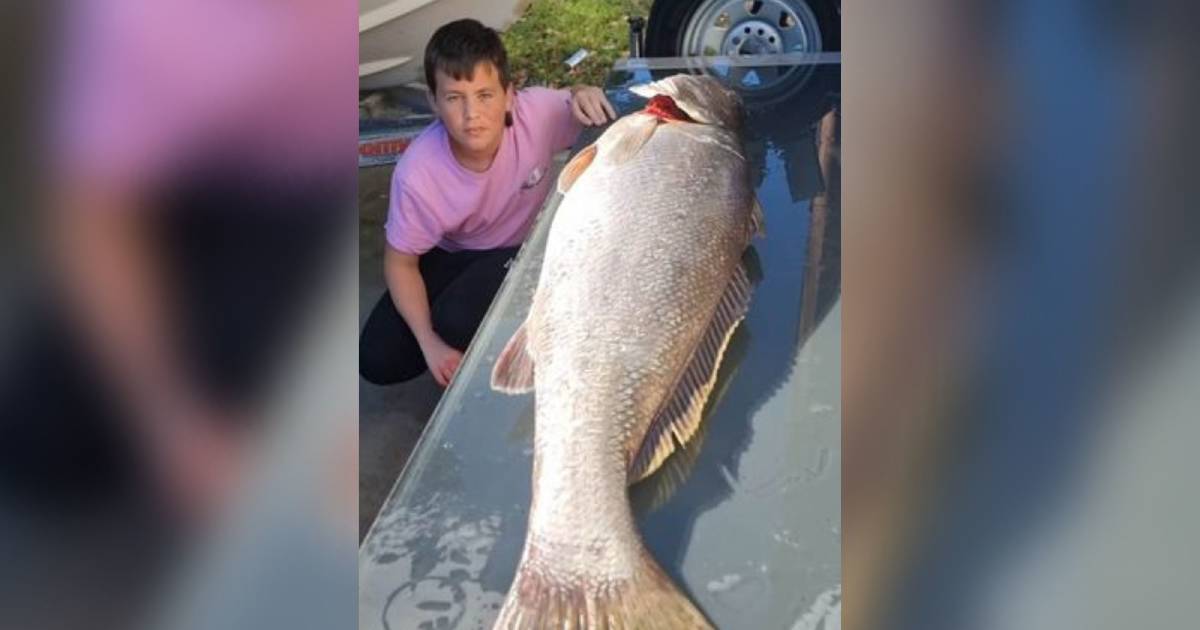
(739, 28)
(679, 28)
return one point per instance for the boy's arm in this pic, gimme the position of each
(411, 300)
(111, 272)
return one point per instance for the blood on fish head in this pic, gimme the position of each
(700, 97)
(665, 108)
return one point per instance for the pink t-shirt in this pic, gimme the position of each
(145, 88)
(436, 202)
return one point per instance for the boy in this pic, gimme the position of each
(463, 198)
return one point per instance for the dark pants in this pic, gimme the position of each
(239, 259)
(460, 285)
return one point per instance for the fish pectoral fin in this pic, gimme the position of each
(678, 417)
(623, 142)
(620, 143)
(575, 168)
(513, 372)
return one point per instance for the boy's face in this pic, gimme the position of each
(473, 109)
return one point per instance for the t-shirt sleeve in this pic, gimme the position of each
(116, 113)
(554, 107)
(412, 226)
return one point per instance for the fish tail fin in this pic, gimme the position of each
(644, 599)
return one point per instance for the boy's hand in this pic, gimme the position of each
(198, 459)
(442, 360)
(591, 106)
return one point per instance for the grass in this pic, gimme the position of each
(550, 31)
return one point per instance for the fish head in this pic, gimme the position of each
(701, 97)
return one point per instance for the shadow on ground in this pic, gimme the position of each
(390, 418)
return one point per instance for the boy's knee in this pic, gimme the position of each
(454, 324)
(372, 364)
(380, 364)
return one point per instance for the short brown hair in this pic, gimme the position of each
(457, 47)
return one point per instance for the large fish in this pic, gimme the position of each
(641, 287)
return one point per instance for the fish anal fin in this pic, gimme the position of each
(678, 418)
(575, 167)
(758, 223)
(513, 372)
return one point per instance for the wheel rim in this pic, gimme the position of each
(738, 28)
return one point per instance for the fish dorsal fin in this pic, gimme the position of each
(575, 168)
(657, 489)
(513, 372)
(678, 417)
(627, 136)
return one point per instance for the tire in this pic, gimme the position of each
(669, 18)
(775, 86)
